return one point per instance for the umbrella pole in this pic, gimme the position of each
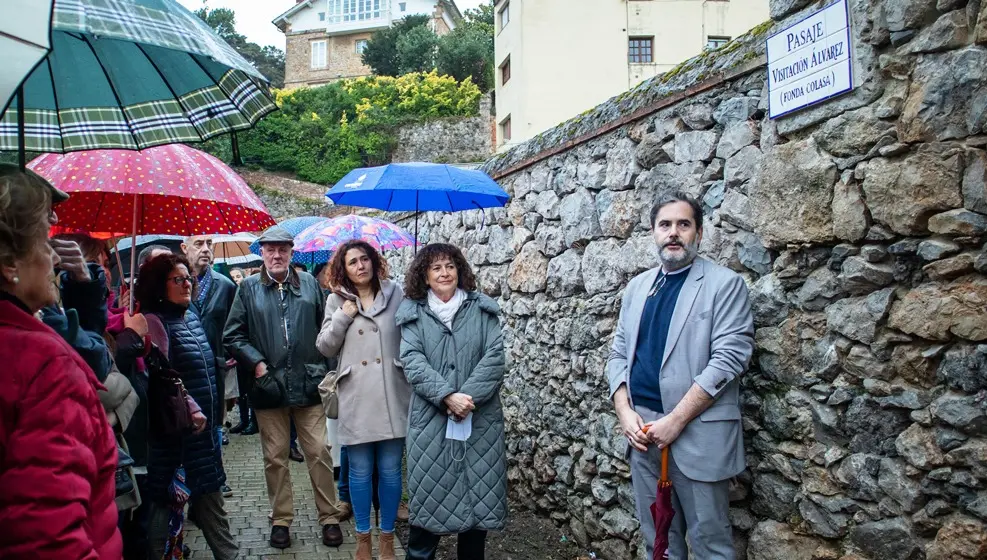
(21, 148)
(133, 254)
(416, 223)
(116, 251)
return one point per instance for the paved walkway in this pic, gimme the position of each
(248, 510)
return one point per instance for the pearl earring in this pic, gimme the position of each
(16, 280)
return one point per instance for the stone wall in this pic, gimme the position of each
(859, 226)
(342, 60)
(451, 140)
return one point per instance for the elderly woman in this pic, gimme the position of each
(453, 354)
(59, 455)
(373, 393)
(164, 292)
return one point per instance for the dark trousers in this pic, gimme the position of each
(422, 544)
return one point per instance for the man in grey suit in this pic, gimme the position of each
(684, 337)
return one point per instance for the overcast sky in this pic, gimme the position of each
(253, 17)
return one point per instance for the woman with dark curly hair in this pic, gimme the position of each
(359, 329)
(452, 349)
(164, 292)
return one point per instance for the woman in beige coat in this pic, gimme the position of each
(374, 395)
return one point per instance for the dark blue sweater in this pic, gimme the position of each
(655, 319)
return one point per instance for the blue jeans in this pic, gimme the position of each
(388, 454)
(343, 485)
(294, 435)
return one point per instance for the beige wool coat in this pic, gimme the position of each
(374, 394)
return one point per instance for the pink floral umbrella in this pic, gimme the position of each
(166, 190)
(326, 236)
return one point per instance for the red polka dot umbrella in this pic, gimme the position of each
(166, 190)
(172, 189)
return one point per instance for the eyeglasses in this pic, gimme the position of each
(659, 284)
(179, 280)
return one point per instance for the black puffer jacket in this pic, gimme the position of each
(189, 354)
(255, 332)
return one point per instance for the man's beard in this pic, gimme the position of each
(676, 261)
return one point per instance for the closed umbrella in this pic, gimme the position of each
(662, 511)
(132, 74)
(418, 187)
(24, 41)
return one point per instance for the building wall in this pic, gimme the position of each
(858, 225)
(307, 19)
(560, 42)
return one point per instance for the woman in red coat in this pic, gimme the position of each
(57, 451)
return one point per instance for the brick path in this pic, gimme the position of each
(248, 510)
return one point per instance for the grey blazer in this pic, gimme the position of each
(710, 343)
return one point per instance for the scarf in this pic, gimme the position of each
(205, 281)
(446, 311)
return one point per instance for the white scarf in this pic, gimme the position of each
(446, 310)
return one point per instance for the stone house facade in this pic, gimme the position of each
(325, 38)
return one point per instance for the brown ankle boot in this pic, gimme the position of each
(387, 546)
(364, 546)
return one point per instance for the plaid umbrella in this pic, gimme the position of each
(24, 41)
(330, 234)
(132, 74)
(179, 494)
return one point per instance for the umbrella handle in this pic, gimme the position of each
(664, 464)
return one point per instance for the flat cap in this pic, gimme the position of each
(276, 234)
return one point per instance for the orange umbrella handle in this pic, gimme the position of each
(664, 458)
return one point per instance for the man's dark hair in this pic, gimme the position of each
(671, 197)
(416, 280)
(145, 253)
(152, 283)
(318, 269)
(299, 267)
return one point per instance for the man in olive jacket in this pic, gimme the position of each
(271, 331)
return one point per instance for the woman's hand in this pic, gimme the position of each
(199, 422)
(350, 308)
(136, 322)
(459, 404)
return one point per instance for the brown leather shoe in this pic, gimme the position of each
(280, 537)
(332, 535)
(386, 544)
(403, 511)
(345, 511)
(364, 546)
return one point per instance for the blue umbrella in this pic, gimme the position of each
(294, 226)
(418, 187)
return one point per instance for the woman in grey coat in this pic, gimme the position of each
(359, 329)
(453, 354)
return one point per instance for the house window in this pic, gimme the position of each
(403, 6)
(715, 42)
(640, 50)
(505, 71)
(318, 54)
(322, 16)
(504, 15)
(505, 129)
(354, 10)
(361, 45)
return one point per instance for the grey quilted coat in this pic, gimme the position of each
(455, 486)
